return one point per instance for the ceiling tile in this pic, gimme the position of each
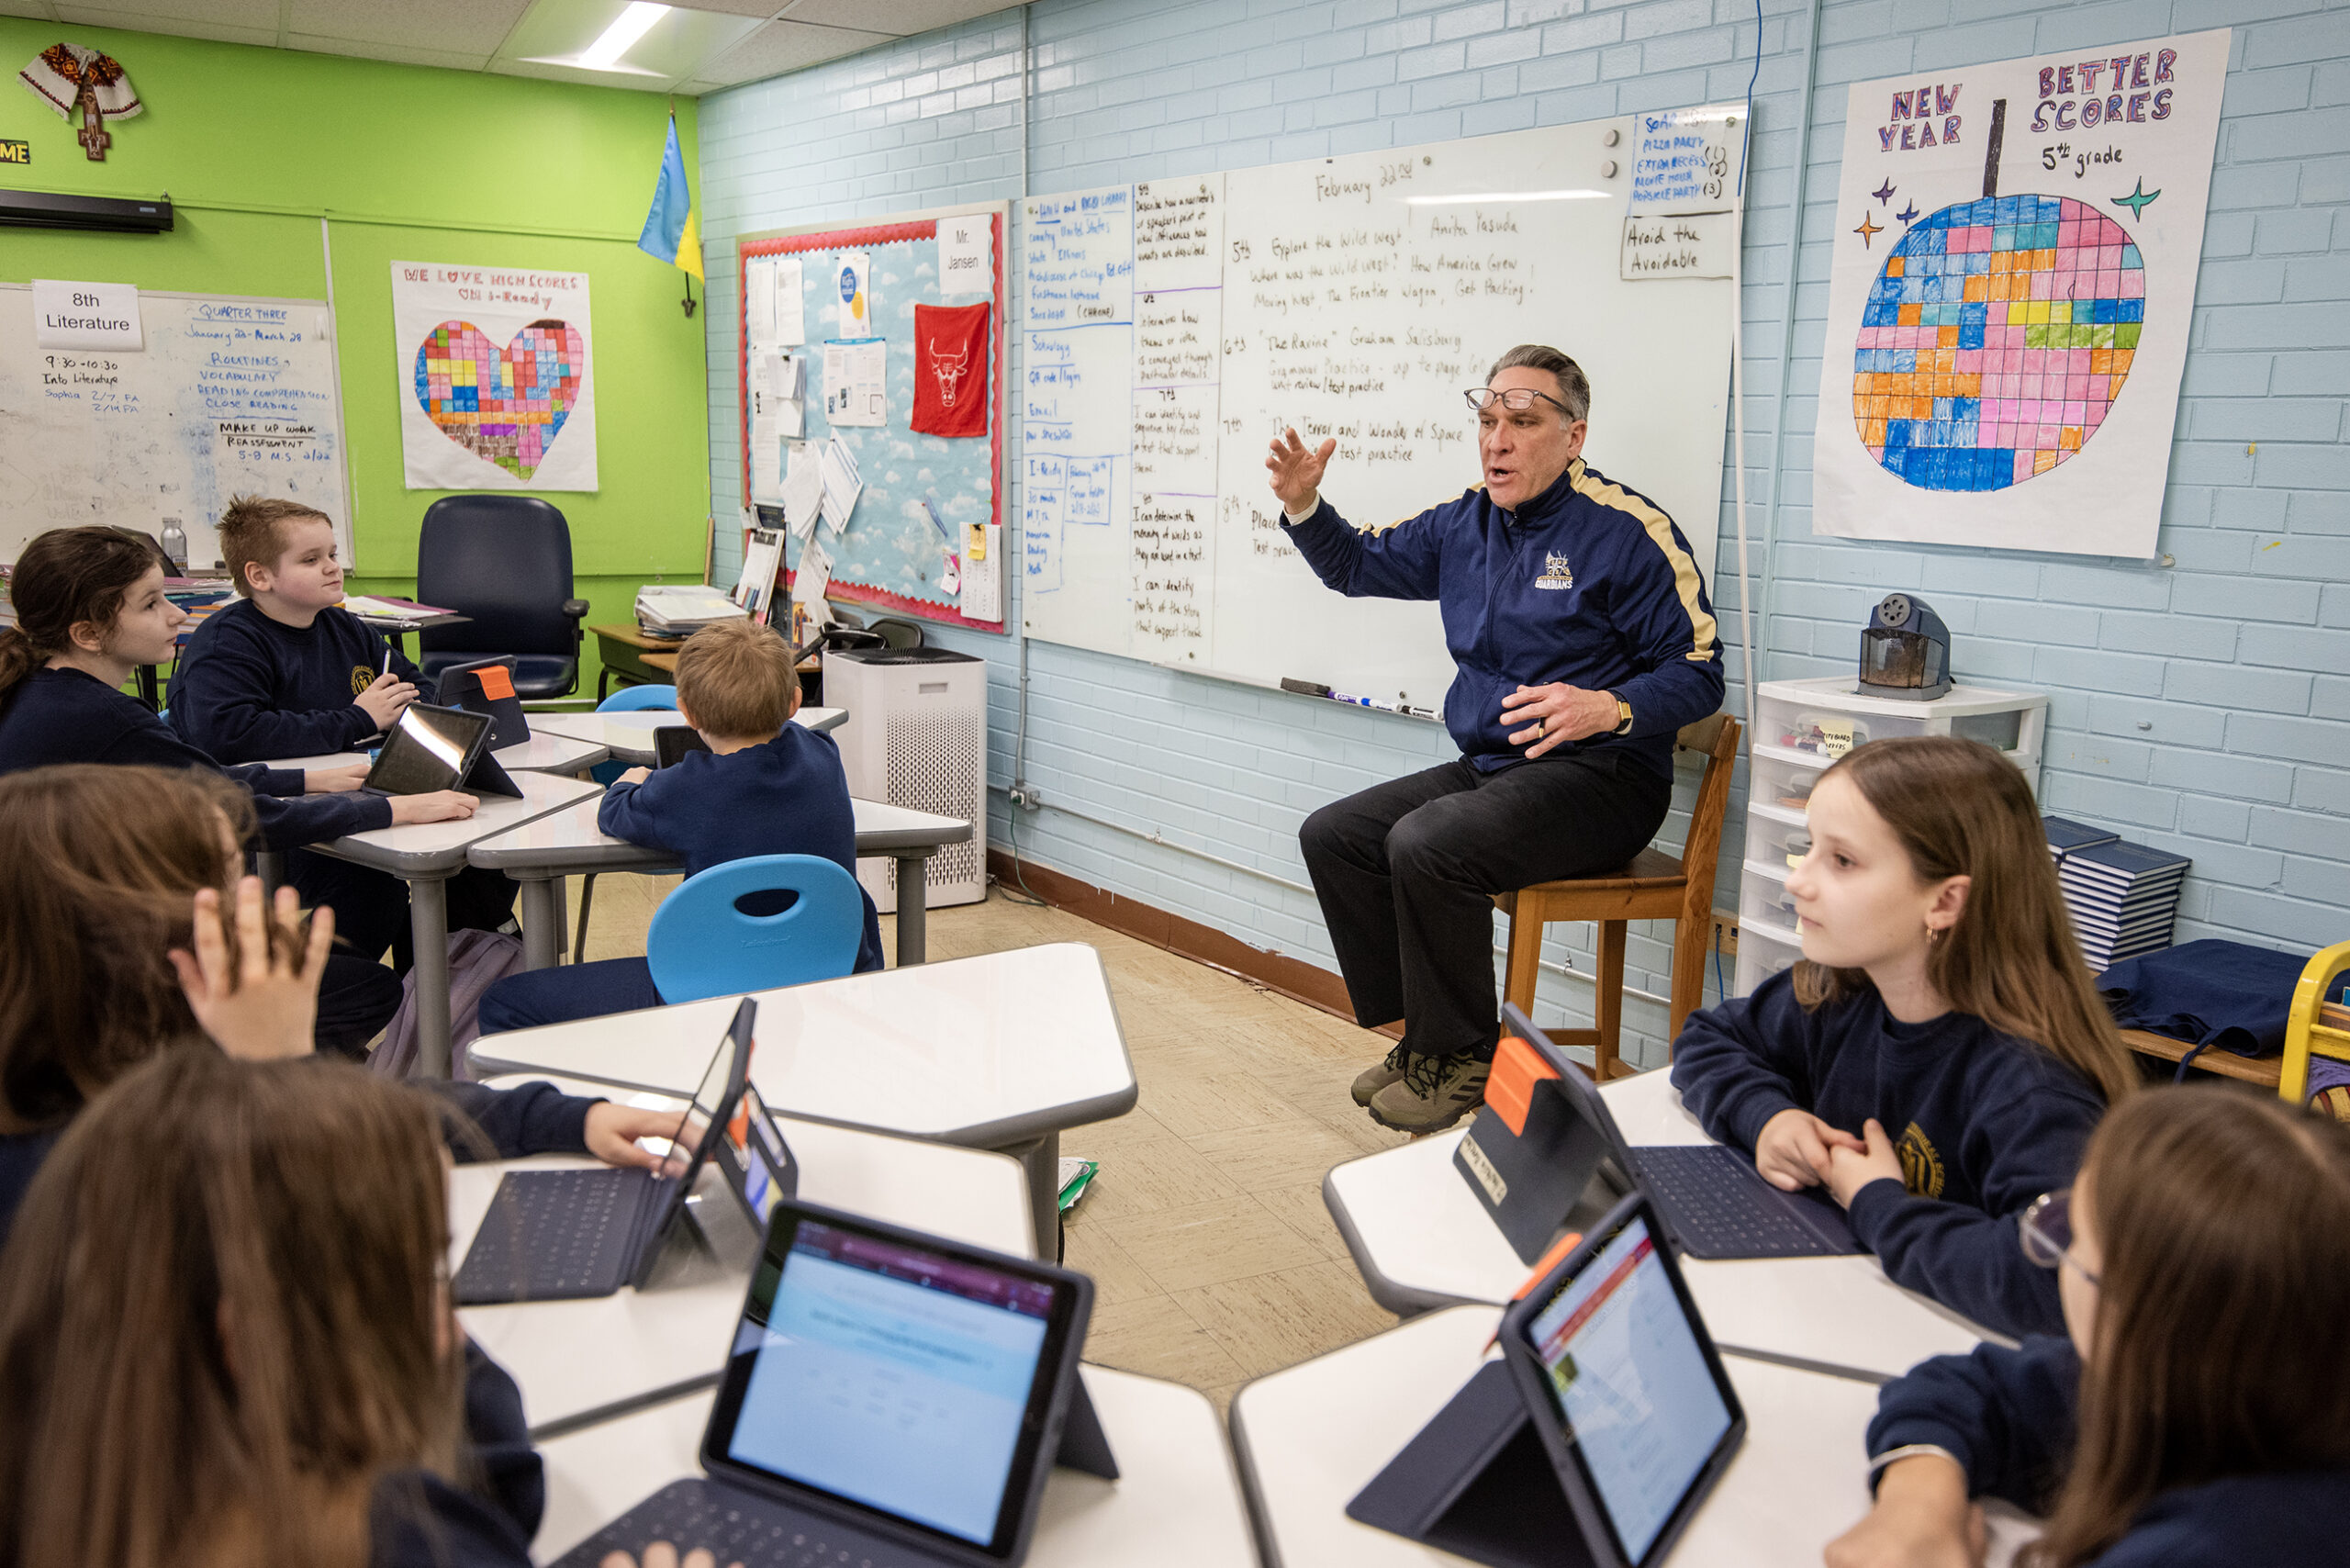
(170, 27)
(759, 9)
(462, 26)
(787, 46)
(399, 54)
(901, 17)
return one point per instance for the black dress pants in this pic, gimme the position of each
(1406, 872)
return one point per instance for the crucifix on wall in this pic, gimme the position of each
(73, 79)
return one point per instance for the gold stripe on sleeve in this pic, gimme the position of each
(1703, 633)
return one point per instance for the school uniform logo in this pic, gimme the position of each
(1922, 1168)
(1555, 573)
(362, 677)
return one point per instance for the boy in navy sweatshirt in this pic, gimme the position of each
(285, 671)
(769, 786)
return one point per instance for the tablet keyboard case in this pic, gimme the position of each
(556, 1236)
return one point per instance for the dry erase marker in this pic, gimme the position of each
(1364, 702)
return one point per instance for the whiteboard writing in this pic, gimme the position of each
(229, 396)
(1685, 161)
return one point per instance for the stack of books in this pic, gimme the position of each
(2123, 897)
(680, 611)
(2065, 836)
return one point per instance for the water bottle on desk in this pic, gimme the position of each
(175, 545)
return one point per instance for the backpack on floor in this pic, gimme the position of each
(478, 961)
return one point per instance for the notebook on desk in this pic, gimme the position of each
(564, 1235)
(1714, 1204)
(892, 1399)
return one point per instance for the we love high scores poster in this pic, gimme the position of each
(496, 367)
(2013, 285)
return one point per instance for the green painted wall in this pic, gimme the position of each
(408, 163)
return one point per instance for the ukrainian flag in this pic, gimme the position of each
(669, 232)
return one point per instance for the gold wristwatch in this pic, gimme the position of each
(1623, 716)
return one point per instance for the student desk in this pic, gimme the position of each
(1422, 1241)
(573, 1357)
(539, 855)
(638, 725)
(1310, 1437)
(1001, 1051)
(424, 855)
(548, 750)
(1176, 1501)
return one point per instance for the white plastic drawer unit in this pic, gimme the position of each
(1763, 900)
(1763, 951)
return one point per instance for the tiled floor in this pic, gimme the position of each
(1212, 1258)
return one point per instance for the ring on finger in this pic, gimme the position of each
(1537, 729)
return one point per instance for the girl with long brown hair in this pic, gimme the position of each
(114, 886)
(2193, 1411)
(91, 610)
(1938, 1059)
(226, 1337)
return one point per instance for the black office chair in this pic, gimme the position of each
(505, 562)
(896, 633)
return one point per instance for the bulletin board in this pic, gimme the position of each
(931, 512)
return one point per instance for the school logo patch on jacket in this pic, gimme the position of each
(1555, 573)
(1922, 1168)
(362, 677)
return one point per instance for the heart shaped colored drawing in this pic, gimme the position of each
(1995, 340)
(504, 404)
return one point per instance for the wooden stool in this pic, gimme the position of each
(1655, 886)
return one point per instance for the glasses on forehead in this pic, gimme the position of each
(2046, 1231)
(1517, 399)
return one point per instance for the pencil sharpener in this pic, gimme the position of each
(1905, 652)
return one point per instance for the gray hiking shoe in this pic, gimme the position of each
(1374, 1079)
(1433, 1093)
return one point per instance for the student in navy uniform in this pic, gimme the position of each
(91, 610)
(1584, 641)
(226, 1336)
(2193, 1411)
(114, 885)
(285, 671)
(770, 787)
(1938, 1057)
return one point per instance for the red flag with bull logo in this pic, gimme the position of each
(950, 369)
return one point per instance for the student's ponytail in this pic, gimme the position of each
(64, 577)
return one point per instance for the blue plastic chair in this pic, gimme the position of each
(627, 699)
(701, 943)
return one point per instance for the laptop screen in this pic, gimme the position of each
(1630, 1382)
(762, 1163)
(895, 1377)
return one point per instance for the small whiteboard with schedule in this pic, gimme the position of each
(225, 395)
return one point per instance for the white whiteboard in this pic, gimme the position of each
(1171, 328)
(230, 396)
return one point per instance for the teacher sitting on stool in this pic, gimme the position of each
(1583, 640)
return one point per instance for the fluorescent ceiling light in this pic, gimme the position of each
(1506, 196)
(629, 25)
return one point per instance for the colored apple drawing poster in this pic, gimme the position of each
(496, 375)
(2008, 307)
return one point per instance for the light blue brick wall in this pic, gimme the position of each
(2203, 704)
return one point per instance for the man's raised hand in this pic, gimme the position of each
(1297, 473)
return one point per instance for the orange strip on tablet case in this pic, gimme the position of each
(1510, 1090)
(496, 681)
(1550, 1260)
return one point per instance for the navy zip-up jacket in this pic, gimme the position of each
(788, 796)
(1588, 583)
(2008, 1417)
(249, 688)
(419, 1519)
(57, 716)
(1985, 1124)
